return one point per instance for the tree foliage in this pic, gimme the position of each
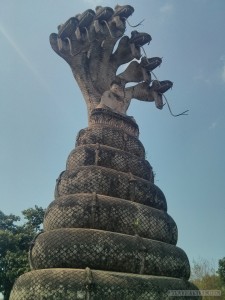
(205, 276)
(221, 270)
(15, 240)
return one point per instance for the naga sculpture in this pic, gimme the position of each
(107, 234)
(87, 41)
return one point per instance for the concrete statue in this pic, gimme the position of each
(87, 42)
(107, 234)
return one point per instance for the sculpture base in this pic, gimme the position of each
(72, 284)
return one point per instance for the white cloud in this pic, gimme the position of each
(208, 77)
(213, 125)
(165, 12)
(93, 3)
(202, 76)
(222, 70)
(223, 73)
(166, 9)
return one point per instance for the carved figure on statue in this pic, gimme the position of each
(87, 43)
(118, 99)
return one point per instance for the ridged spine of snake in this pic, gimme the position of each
(107, 234)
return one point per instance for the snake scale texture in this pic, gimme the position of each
(107, 234)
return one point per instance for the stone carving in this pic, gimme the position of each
(107, 234)
(87, 43)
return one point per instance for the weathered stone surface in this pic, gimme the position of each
(109, 157)
(112, 119)
(74, 284)
(110, 214)
(112, 183)
(110, 251)
(112, 137)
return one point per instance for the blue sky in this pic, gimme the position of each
(42, 110)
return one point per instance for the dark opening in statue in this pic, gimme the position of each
(107, 234)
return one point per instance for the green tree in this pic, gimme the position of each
(205, 277)
(221, 270)
(15, 240)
